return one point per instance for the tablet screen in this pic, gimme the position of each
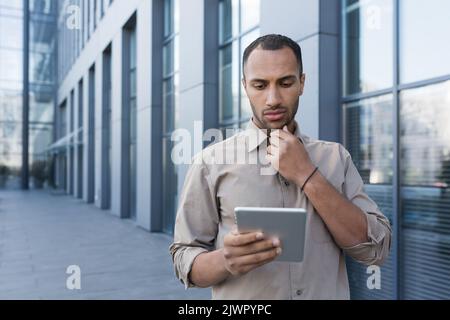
(288, 224)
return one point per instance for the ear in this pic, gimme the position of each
(244, 83)
(302, 83)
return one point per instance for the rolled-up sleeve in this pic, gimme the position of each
(379, 232)
(196, 223)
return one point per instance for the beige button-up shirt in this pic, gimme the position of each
(226, 175)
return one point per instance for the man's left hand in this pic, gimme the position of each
(288, 156)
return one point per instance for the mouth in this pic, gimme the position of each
(275, 115)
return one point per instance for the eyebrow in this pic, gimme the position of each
(290, 77)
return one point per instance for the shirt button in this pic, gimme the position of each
(299, 292)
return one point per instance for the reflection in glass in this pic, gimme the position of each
(133, 121)
(11, 57)
(368, 134)
(369, 139)
(170, 186)
(170, 111)
(229, 82)
(229, 20)
(368, 45)
(424, 44)
(425, 191)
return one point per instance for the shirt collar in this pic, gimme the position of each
(256, 136)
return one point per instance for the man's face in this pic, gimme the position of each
(273, 84)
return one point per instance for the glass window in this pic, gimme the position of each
(229, 82)
(132, 105)
(424, 39)
(369, 139)
(368, 45)
(11, 29)
(229, 19)
(238, 28)
(107, 130)
(368, 134)
(170, 111)
(425, 191)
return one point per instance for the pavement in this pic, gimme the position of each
(42, 234)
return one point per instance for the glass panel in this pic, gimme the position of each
(246, 109)
(168, 59)
(368, 45)
(133, 83)
(369, 135)
(133, 54)
(168, 17)
(229, 82)
(176, 112)
(133, 121)
(170, 187)
(424, 52)
(369, 139)
(133, 181)
(425, 191)
(168, 106)
(229, 20)
(10, 139)
(250, 13)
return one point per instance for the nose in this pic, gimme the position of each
(273, 97)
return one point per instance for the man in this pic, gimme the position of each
(316, 175)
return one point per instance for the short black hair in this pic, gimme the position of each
(274, 42)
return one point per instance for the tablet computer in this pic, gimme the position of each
(288, 224)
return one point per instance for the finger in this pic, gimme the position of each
(243, 239)
(260, 257)
(256, 247)
(251, 267)
(285, 129)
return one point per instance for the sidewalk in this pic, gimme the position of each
(42, 234)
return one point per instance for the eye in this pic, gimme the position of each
(286, 84)
(259, 86)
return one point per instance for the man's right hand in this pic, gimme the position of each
(247, 251)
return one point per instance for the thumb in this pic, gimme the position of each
(285, 128)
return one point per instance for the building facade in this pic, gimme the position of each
(130, 73)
